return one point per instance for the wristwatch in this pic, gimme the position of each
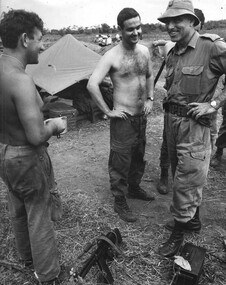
(150, 98)
(213, 104)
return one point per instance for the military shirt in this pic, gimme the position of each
(192, 76)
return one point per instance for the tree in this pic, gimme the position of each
(105, 28)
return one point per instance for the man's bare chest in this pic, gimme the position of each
(133, 65)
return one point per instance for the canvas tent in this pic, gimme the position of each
(63, 64)
(64, 69)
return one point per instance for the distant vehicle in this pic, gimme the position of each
(103, 40)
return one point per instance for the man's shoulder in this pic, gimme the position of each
(211, 37)
(142, 47)
(112, 52)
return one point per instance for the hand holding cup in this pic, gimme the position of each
(60, 124)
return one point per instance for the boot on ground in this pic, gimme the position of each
(174, 243)
(121, 207)
(163, 184)
(192, 226)
(216, 158)
(139, 193)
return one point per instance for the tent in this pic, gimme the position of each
(63, 64)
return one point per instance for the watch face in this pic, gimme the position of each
(213, 103)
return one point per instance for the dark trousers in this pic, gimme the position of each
(164, 157)
(220, 142)
(127, 147)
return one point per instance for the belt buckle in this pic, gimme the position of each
(180, 111)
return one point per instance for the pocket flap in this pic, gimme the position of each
(200, 155)
(192, 70)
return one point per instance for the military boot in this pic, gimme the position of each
(216, 158)
(123, 210)
(139, 193)
(192, 226)
(163, 184)
(174, 243)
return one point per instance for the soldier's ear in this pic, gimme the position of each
(119, 28)
(24, 39)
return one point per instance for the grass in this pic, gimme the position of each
(87, 216)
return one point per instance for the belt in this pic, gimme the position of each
(176, 109)
(182, 110)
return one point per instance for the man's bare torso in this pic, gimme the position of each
(128, 74)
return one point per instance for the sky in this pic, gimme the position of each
(58, 14)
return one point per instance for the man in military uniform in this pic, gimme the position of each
(193, 68)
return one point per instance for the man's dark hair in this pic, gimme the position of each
(16, 22)
(126, 14)
(200, 15)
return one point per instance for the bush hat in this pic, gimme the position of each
(177, 8)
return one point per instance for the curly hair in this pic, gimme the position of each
(16, 22)
(126, 14)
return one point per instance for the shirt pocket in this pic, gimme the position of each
(191, 81)
(169, 77)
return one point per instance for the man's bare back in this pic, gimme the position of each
(12, 75)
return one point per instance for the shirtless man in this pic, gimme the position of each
(129, 67)
(25, 166)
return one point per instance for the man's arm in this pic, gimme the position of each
(100, 72)
(199, 109)
(28, 105)
(163, 46)
(149, 87)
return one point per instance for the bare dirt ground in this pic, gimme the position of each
(80, 160)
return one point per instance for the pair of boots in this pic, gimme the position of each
(121, 207)
(175, 241)
(216, 159)
(163, 184)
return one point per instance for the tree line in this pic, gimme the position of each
(146, 28)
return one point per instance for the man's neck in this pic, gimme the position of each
(128, 47)
(181, 46)
(14, 57)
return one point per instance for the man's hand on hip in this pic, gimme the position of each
(148, 105)
(199, 109)
(117, 113)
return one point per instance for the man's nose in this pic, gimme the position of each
(42, 48)
(170, 25)
(135, 32)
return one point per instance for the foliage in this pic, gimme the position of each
(215, 25)
(105, 28)
(146, 28)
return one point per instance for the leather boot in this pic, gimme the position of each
(216, 159)
(163, 184)
(139, 193)
(173, 244)
(192, 226)
(123, 210)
